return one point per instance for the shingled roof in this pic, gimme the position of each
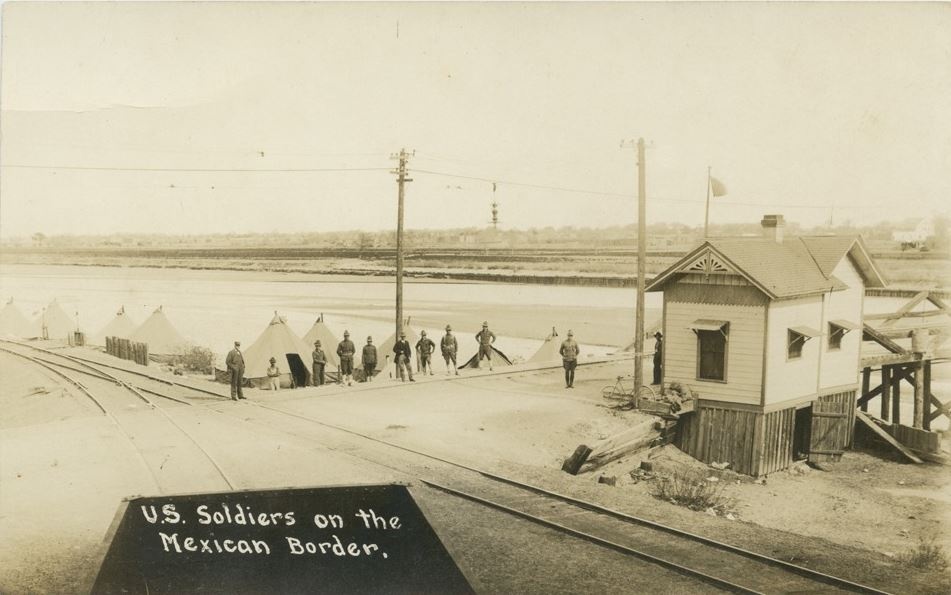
(795, 267)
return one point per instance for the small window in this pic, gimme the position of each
(711, 354)
(836, 333)
(796, 338)
(794, 343)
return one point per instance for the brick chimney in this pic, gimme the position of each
(773, 227)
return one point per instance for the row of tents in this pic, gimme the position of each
(294, 354)
(54, 323)
(277, 340)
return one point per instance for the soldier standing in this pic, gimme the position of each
(449, 347)
(425, 348)
(235, 364)
(274, 375)
(658, 357)
(369, 359)
(320, 361)
(403, 352)
(569, 358)
(346, 350)
(486, 338)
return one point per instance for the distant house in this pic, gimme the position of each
(767, 331)
(918, 237)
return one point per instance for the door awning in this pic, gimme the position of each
(705, 324)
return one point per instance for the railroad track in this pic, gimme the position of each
(718, 564)
(125, 427)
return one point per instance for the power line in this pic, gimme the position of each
(629, 195)
(197, 169)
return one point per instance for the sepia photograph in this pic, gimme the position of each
(475, 297)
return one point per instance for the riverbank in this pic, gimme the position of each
(587, 268)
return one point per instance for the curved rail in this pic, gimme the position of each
(760, 558)
(135, 391)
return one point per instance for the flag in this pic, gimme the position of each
(718, 187)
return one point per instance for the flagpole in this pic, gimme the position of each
(706, 217)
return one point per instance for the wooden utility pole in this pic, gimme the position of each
(401, 178)
(706, 214)
(641, 265)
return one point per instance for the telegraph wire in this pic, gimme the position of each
(196, 169)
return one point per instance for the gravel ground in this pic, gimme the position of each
(64, 468)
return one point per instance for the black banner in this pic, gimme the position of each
(363, 539)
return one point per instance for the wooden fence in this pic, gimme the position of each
(126, 349)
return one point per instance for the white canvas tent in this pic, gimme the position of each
(157, 331)
(55, 323)
(499, 359)
(121, 326)
(292, 355)
(549, 351)
(328, 342)
(13, 323)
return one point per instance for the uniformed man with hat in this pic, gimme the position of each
(320, 362)
(569, 358)
(235, 365)
(345, 351)
(486, 338)
(425, 348)
(449, 346)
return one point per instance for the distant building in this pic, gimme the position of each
(767, 331)
(918, 237)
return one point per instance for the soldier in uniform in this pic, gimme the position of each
(235, 364)
(425, 348)
(320, 361)
(369, 359)
(449, 347)
(345, 351)
(274, 375)
(658, 357)
(569, 358)
(403, 352)
(486, 338)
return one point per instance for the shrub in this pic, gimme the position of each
(691, 488)
(927, 554)
(195, 359)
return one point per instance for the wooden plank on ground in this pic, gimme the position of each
(870, 424)
(622, 444)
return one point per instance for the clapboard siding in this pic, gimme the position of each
(788, 379)
(841, 366)
(744, 358)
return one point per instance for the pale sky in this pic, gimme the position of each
(810, 110)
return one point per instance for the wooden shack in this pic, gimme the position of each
(767, 332)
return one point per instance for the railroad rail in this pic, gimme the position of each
(106, 377)
(716, 563)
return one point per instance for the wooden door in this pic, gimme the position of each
(830, 427)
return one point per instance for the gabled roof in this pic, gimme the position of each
(795, 267)
(828, 252)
